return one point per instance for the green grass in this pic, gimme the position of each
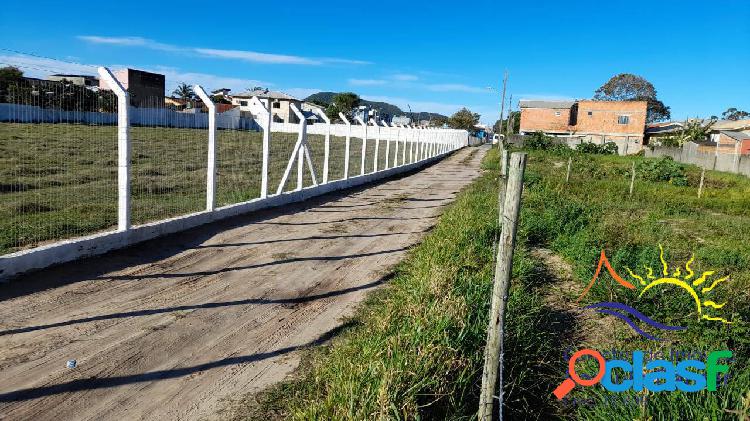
(60, 180)
(414, 350)
(594, 212)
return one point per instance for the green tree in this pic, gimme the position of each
(735, 114)
(439, 121)
(630, 87)
(344, 102)
(694, 130)
(501, 127)
(464, 119)
(184, 92)
(8, 75)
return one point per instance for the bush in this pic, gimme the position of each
(663, 169)
(609, 148)
(538, 141)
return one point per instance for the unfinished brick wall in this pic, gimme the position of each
(545, 119)
(728, 145)
(602, 117)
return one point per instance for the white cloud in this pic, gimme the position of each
(255, 57)
(405, 77)
(243, 55)
(41, 67)
(208, 81)
(129, 42)
(367, 82)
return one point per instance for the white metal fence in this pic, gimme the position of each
(103, 166)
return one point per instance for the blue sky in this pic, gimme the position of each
(435, 56)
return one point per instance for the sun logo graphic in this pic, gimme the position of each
(696, 286)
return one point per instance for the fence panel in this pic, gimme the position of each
(168, 163)
(58, 155)
(239, 160)
(59, 159)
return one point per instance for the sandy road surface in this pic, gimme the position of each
(170, 328)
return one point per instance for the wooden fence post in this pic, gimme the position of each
(632, 179)
(493, 356)
(700, 186)
(567, 174)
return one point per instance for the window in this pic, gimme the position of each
(557, 113)
(590, 113)
(276, 105)
(243, 103)
(623, 119)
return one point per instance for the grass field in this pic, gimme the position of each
(60, 180)
(415, 349)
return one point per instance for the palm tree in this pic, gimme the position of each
(184, 92)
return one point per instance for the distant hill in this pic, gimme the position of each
(382, 107)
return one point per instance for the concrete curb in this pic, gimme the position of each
(15, 264)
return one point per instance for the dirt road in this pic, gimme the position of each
(171, 328)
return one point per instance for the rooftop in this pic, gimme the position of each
(739, 136)
(545, 104)
(265, 93)
(66, 75)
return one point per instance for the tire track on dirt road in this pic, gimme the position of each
(169, 328)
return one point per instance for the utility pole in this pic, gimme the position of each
(508, 123)
(502, 106)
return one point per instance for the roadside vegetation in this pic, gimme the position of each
(415, 349)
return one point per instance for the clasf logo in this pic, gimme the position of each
(655, 375)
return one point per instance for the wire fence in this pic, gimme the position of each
(63, 172)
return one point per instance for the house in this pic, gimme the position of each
(175, 103)
(221, 92)
(80, 80)
(279, 102)
(401, 120)
(655, 132)
(312, 112)
(146, 89)
(622, 122)
(729, 137)
(726, 136)
(728, 142)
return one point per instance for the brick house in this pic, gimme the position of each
(146, 89)
(622, 122)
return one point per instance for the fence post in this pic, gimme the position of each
(397, 140)
(304, 150)
(700, 186)
(411, 144)
(403, 150)
(327, 145)
(348, 142)
(632, 179)
(377, 144)
(493, 366)
(387, 145)
(123, 149)
(211, 165)
(364, 144)
(420, 144)
(567, 174)
(262, 110)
